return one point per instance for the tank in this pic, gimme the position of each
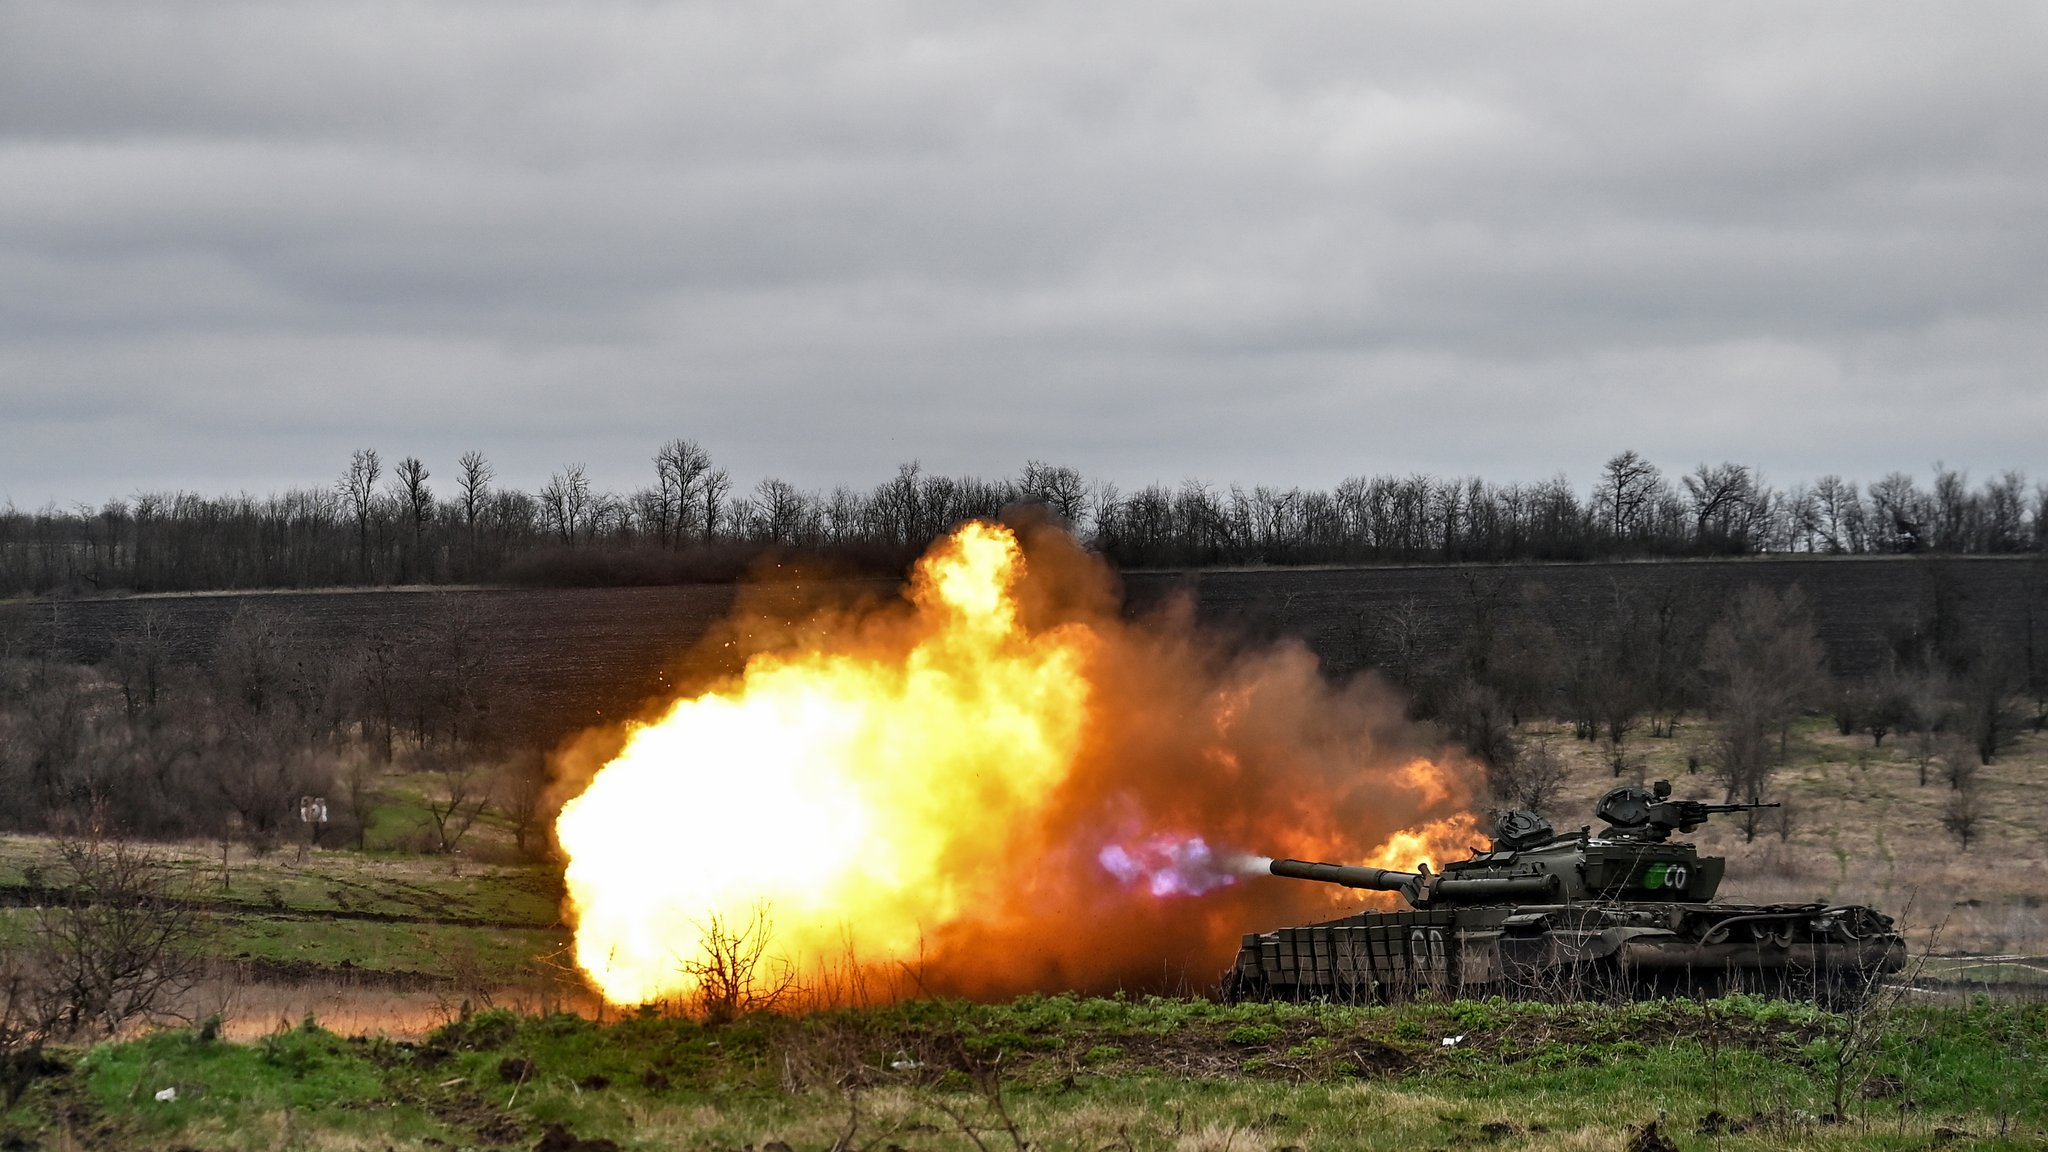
(1627, 911)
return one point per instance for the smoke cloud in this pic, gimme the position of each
(1131, 861)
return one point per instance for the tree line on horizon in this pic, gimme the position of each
(405, 525)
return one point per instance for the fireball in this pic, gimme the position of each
(955, 783)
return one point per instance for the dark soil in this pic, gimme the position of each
(572, 658)
(1859, 604)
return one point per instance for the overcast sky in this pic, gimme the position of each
(1153, 240)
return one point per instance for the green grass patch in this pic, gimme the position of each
(1072, 1072)
(326, 880)
(424, 948)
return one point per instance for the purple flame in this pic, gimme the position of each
(1169, 866)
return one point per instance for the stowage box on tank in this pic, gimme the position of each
(1577, 914)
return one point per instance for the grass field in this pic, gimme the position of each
(379, 941)
(1857, 827)
(1061, 1072)
(405, 964)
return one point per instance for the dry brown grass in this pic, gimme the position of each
(1860, 829)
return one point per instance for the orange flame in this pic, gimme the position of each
(937, 784)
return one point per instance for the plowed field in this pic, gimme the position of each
(571, 657)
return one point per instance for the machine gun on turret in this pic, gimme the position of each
(1635, 813)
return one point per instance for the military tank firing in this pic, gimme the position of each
(1625, 911)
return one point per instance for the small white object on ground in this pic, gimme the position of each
(1453, 1041)
(167, 1095)
(905, 1065)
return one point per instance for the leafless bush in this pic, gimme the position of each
(121, 943)
(1985, 704)
(1963, 813)
(1474, 716)
(523, 787)
(24, 1027)
(358, 779)
(118, 945)
(1850, 707)
(1867, 1011)
(1787, 820)
(1887, 709)
(1533, 779)
(1959, 765)
(732, 970)
(462, 795)
(470, 979)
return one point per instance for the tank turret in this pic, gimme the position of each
(1529, 860)
(1539, 907)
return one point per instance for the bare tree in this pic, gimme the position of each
(139, 662)
(1926, 746)
(1397, 641)
(523, 798)
(450, 673)
(376, 681)
(2003, 525)
(358, 779)
(1106, 502)
(1060, 489)
(1474, 716)
(1985, 704)
(1627, 485)
(462, 794)
(781, 512)
(1722, 499)
(680, 467)
(1763, 661)
(712, 492)
(358, 489)
(259, 721)
(1839, 519)
(1898, 514)
(565, 502)
(473, 486)
(1886, 707)
(416, 503)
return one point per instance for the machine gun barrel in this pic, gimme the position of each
(1349, 875)
(1738, 807)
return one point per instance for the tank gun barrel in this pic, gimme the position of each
(1349, 875)
(1422, 889)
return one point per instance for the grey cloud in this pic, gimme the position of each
(1154, 240)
